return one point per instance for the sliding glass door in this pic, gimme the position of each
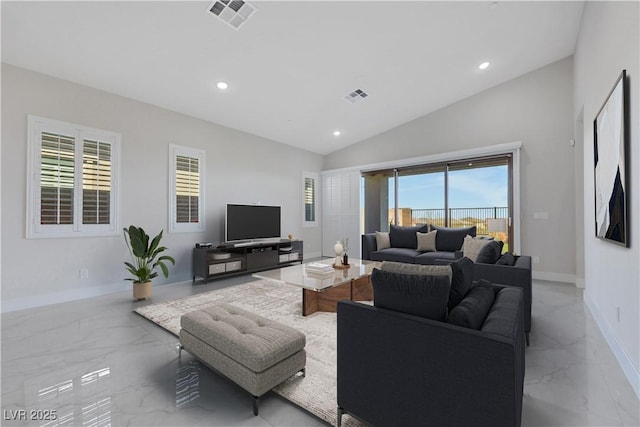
(479, 193)
(454, 194)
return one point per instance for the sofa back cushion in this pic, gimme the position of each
(490, 253)
(473, 308)
(461, 279)
(471, 246)
(419, 295)
(405, 237)
(417, 269)
(451, 239)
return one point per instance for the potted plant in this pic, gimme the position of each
(146, 260)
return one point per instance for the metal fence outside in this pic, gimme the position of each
(458, 217)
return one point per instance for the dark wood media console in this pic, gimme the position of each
(233, 259)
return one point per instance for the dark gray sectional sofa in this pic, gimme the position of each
(404, 245)
(517, 272)
(399, 368)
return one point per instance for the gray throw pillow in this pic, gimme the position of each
(418, 295)
(461, 280)
(471, 246)
(426, 241)
(417, 269)
(473, 309)
(382, 240)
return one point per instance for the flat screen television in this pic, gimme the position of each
(249, 222)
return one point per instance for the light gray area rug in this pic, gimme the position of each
(317, 391)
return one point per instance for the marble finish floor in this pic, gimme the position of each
(96, 363)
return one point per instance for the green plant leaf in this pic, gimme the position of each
(155, 242)
(167, 258)
(165, 270)
(145, 256)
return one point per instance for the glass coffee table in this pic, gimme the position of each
(321, 292)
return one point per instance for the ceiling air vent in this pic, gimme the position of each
(233, 12)
(356, 96)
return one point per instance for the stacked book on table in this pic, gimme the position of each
(319, 270)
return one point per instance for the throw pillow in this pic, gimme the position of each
(418, 269)
(427, 241)
(472, 246)
(473, 309)
(506, 259)
(451, 239)
(382, 240)
(424, 296)
(462, 270)
(405, 237)
(490, 252)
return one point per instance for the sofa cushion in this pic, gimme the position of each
(490, 253)
(382, 240)
(461, 280)
(395, 254)
(471, 246)
(506, 259)
(473, 308)
(428, 258)
(426, 241)
(426, 270)
(450, 239)
(405, 237)
(502, 317)
(419, 295)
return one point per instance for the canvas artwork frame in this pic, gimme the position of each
(611, 169)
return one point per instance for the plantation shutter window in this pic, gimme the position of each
(71, 180)
(57, 157)
(96, 182)
(186, 188)
(310, 199)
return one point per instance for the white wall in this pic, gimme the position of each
(607, 44)
(537, 110)
(241, 168)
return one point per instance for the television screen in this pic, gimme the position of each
(246, 222)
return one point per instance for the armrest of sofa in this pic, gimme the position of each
(397, 369)
(369, 245)
(518, 275)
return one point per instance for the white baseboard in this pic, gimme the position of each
(630, 371)
(555, 277)
(580, 282)
(50, 298)
(310, 255)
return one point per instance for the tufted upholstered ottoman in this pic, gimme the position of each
(254, 352)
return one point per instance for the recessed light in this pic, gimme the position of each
(336, 133)
(484, 65)
(222, 85)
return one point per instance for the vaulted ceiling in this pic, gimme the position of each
(290, 65)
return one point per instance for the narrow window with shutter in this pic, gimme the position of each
(71, 180)
(187, 185)
(187, 189)
(57, 168)
(310, 199)
(96, 182)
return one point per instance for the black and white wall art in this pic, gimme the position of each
(610, 166)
